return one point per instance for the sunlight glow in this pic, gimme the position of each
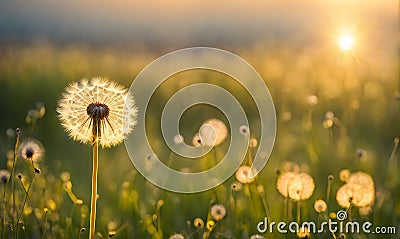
(346, 42)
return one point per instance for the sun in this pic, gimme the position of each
(346, 42)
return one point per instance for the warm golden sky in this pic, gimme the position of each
(184, 22)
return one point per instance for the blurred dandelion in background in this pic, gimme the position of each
(301, 187)
(283, 181)
(217, 212)
(358, 191)
(213, 132)
(31, 149)
(4, 175)
(256, 236)
(177, 236)
(242, 175)
(303, 232)
(198, 223)
(320, 206)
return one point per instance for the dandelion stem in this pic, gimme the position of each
(45, 227)
(13, 183)
(298, 211)
(94, 188)
(4, 211)
(26, 197)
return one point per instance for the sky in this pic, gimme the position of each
(157, 23)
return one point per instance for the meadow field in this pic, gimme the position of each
(334, 112)
(337, 100)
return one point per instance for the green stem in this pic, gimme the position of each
(13, 183)
(26, 197)
(4, 211)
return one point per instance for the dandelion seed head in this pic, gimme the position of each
(177, 236)
(112, 225)
(10, 133)
(365, 211)
(178, 139)
(253, 143)
(196, 141)
(361, 153)
(242, 175)
(283, 181)
(303, 232)
(256, 236)
(210, 225)
(65, 176)
(198, 223)
(301, 187)
(349, 194)
(312, 100)
(244, 130)
(261, 190)
(290, 166)
(97, 107)
(213, 132)
(218, 212)
(41, 109)
(4, 175)
(236, 186)
(320, 206)
(31, 149)
(344, 175)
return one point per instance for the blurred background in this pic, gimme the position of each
(343, 52)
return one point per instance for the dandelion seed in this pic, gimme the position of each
(242, 175)
(97, 107)
(303, 232)
(244, 130)
(301, 187)
(31, 149)
(177, 236)
(217, 212)
(198, 223)
(256, 236)
(320, 206)
(4, 175)
(213, 130)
